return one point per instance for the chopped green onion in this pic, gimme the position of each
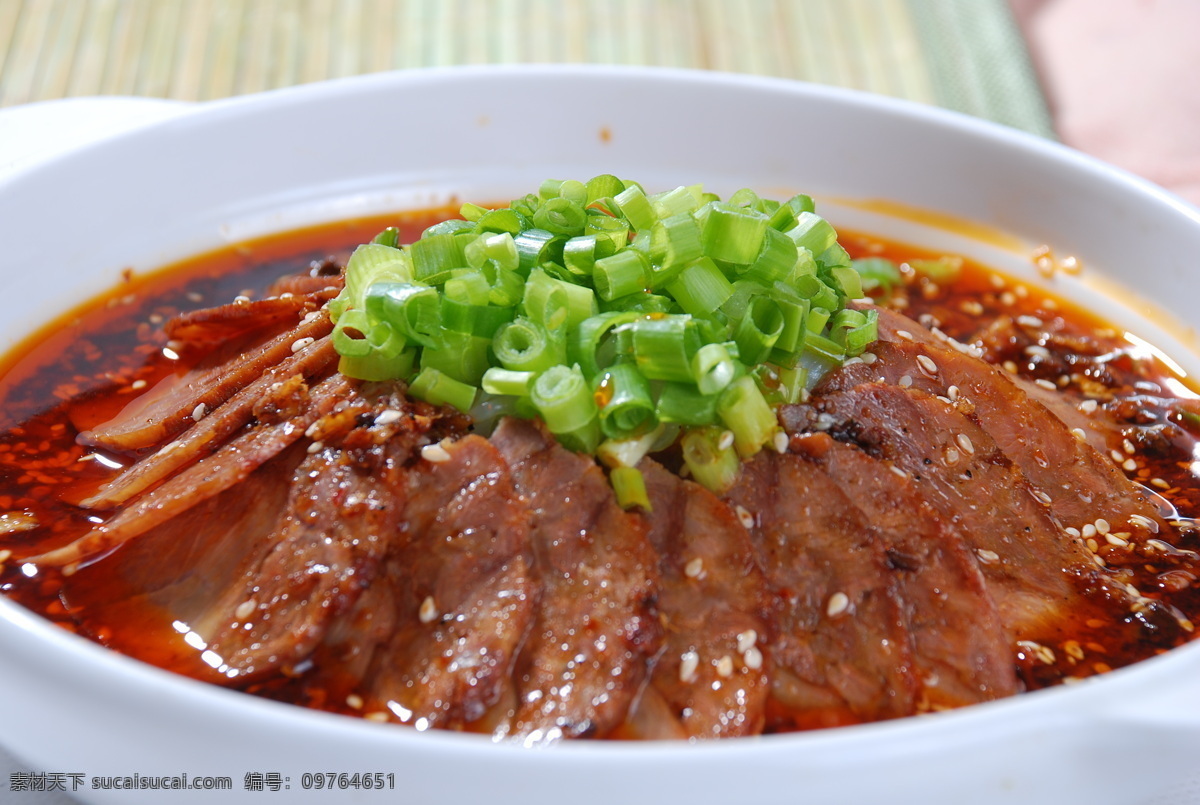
(943, 270)
(684, 404)
(620, 274)
(437, 388)
(626, 406)
(414, 309)
(745, 412)
(733, 234)
(812, 232)
(877, 273)
(629, 487)
(609, 313)
(526, 346)
(500, 381)
(712, 463)
(712, 368)
(561, 216)
(565, 403)
(663, 346)
(635, 207)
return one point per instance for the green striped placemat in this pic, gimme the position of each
(962, 54)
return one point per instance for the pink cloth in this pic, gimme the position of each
(1122, 78)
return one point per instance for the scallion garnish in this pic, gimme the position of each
(622, 319)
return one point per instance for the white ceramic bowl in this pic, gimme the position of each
(234, 169)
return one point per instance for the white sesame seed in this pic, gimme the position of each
(1045, 499)
(1160, 483)
(241, 299)
(869, 357)
(301, 343)
(1046, 384)
(689, 663)
(1030, 321)
(952, 392)
(951, 456)
(781, 442)
(428, 612)
(905, 381)
(1129, 465)
(1088, 406)
(1113, 539)
(898, 471)
(986, 556)
(5, 554)
(838, 603)
(746, 640)
(1116, 456)
(972, 308)
(309, 316)
(1102, 526)
(694, 568)
(435, 453)
(744, 516)
(1092, 545)
(312, 430)
(725, 441)
(754, 658)
(354, 701)
(379, 716)
(199, 411)
(1089, 530)
(316, 447)
(1129, 447)
(905, 334)
(1037, 351)
(1043, 653)
(997, 281)
(245, 609)
(137, 385)
(388, 417)
(927, 365)
(725, 666)
(1074, 532)
(1142, 521)
(1008, 299)
(1098, 559)
(965, 443)
(1079, 434)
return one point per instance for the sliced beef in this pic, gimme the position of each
(144, 599)
(215, 325)
(960, 647)
(595, 630)
(1042, 578)
(171, 406)
(712, 675)
(1082, 484)
(840, 653)
(214, 428)
(325, 551)
(464, 593)
(292, 411)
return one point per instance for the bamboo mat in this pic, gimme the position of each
(962, 54)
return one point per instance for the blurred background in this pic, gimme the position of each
(1111, 77)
